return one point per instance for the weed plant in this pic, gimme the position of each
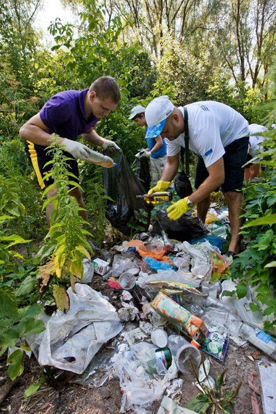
(256, 265)
(65, 244)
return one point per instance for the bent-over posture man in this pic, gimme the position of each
(70, 114)
(219, 136)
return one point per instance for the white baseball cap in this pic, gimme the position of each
(137, 110)
(156, 115)
(256, 128)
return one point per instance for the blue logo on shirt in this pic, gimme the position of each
(208, 152)
(205, 108)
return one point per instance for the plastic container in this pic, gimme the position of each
(88, 271)
(127, 281)
(156, 245)
(159, 338)
(260, 339)
(182, 351)
(211, 289)
(219, 229)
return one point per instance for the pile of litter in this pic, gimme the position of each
(171, 317)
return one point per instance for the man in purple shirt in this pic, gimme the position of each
(70, 114)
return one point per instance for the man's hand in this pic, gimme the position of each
(176, 210)
(78, 150)
(110, 145)
(145, 153)
(160, 186)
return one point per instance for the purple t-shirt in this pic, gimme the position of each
(64, 115)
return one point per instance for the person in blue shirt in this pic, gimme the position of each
(157, 147)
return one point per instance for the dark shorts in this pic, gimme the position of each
(249, 157)
(38, 157)
(234, 158)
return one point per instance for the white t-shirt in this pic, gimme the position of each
(254, 140)
(212, 126)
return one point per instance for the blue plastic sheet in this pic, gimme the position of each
(156, 265)
(213, 240)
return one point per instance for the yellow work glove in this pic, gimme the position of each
(176, 210)
(160, 186)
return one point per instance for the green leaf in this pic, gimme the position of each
(271, 264)
(26, 286)
(269, 219)
(219, 381)
(8, 305)
(228, 293)
(30, 326)
(32, 389)
(254, 307)
(9, 337)
(241, 290)
(30, 311)
(199, 404)
(269, 310)
(15, 361)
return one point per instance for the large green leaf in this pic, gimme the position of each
(26, 286)
(262, 221)
(30, 326)
(8, 305)
(271, 264)
(199, 404)
(15, 361)
(9, 337)
(241, 290)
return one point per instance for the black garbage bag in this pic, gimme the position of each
(184, 229)
(142, 171)
(182, 185)
(122, 186)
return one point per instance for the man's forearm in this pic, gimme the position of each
(36, 135)
(94, 138)
(169, 171)
(205, 189)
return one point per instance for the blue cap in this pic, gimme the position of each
(155, 130)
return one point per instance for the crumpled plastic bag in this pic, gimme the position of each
(71, 340)
(139, 387)
(200, 258)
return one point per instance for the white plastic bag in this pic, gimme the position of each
(71, 340)
(140, 388)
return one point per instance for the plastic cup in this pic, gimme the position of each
(182, 351)
(127, 281)
(159, 338)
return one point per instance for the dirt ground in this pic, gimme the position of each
(61, 398)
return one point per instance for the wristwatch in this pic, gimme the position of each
(190, 203)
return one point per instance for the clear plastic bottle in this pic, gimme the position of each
(182, 351)
(259, 339)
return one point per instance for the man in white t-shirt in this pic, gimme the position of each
(254, 169)
(219, 136)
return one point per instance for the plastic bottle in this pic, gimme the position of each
(259, 339)
(211, 289)
(182, 351)
(157, 197)
(169, 246)
(159, 338)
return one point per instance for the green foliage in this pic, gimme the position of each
(215, 400)
(95, 199)
(255, 265)
(139, 222)
(32, 389)
(65, 244)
